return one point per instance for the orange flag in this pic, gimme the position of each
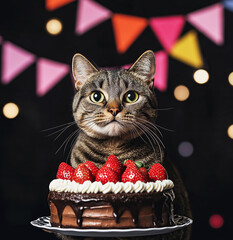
(54, 4)
(127, 29)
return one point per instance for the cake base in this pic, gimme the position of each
(123, 210)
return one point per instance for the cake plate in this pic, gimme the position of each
(44, 223)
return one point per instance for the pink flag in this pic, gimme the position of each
(160, 81)
(90, 14)
(167, 29)
(49, 73)
(209, 21)
(14, 61)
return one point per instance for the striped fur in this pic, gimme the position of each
(97, 139)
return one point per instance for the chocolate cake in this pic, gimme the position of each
(112, 205)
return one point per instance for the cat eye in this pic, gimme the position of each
(97, 97)
(131, 97)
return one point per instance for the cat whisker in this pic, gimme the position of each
(154, 137)
(145, 133)
(68, 138)
(74, 133)
(61, 130)
(64, 129)
(86, 119)
(167, 129)
(69, 123)
(149, 123)
(153, 133)
(72, 145)
(137, 133)
(90, 124)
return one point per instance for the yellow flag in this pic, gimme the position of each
(187, 50)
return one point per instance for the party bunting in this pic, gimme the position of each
(127, 66)
(54, 4)
(127, 29)
(89, 15)
(210, 22)
(14, 61)
(49, 73)
(228, 4)
(167, 29)
(187, 50)
(160, 81)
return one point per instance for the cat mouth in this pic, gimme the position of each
(114, 122)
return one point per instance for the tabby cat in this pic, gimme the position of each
(116, 112)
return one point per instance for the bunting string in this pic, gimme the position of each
(127, 28)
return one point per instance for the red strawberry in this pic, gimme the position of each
(130, 163)
(92, 167)
(65, 171)
(132, 174)
(107, 174)
(145, 174)
(115, 164)
(82, 174)
(157, 172)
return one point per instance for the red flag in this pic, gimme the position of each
(54, 4)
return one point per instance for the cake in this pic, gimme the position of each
(116, 203)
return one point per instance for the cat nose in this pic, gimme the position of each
(114, 111)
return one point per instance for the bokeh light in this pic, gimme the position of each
(185, 149)
(230, 131)
(54, 26)
(230, 78)
(10, 110)
(216, 221)
(201, 76)
(181, 93)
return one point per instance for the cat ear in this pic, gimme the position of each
(144, 67)
(82, 69)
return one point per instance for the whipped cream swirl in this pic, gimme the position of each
(60, 185)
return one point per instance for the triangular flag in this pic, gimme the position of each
(54, 4)
(187, 50)
(160, 81)
(14, 61)
(209, 21)
(127, 29)
(228, 4)
(167, 29)
(89, 15)
(127, 66)
(49, 73)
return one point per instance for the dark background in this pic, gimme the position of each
(27, 154)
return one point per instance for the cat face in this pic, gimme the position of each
(114, 103)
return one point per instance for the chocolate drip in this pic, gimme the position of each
(78, 210)
(118, 210)
(159, 202)
(60, 207)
